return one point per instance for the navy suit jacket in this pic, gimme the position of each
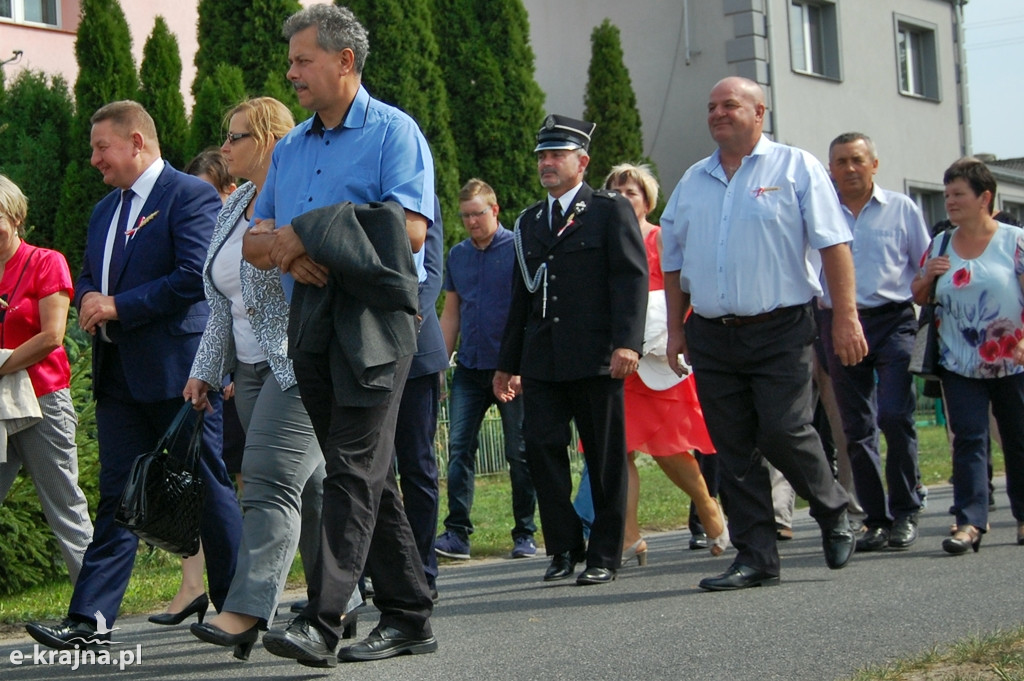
(159, 291)
(431, 355)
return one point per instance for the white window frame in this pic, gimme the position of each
(930, 198)
(18, 13)
(823, 62)
(917, 75)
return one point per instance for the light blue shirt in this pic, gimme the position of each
(748, 246)
(377, 154)
(889, 237)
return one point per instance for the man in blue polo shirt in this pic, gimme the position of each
(356, 149)
(478, 289)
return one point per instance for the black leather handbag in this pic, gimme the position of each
(924, 358)
(162, 502)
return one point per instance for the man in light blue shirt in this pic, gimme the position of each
(356, 149)
(745, 233)
(889, 236)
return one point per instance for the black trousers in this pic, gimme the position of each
(364, 523)
(756, 393)
(596, 404)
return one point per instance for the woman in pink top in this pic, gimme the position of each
(35, 293)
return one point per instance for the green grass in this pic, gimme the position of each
(662, 507)
(997, 656)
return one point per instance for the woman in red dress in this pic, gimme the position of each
(663, 416)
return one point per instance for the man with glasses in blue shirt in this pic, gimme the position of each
(478, 291)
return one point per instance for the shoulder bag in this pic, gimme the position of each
(924, 358)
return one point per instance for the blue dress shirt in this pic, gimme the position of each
(376, 154)
(889, 238)
(483, 282)
(748, 245)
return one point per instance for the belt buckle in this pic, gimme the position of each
(727, 319)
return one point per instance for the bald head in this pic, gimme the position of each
(736, 115)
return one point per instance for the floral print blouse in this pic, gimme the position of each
(981, 307)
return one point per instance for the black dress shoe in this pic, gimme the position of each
(873, 539)
(300, 641)
(839, 542)
(197, 607)
(67, 635)
(699, 541)
(563, 565)
(738, 577)
(385, 642)
(903, 533)
(595, 575)
(242, 643)
(297, 607)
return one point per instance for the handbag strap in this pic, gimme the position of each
(942, 251)
(190, 460)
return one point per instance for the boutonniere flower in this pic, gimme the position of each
(577, 210)
(761, 191)
(143, 221)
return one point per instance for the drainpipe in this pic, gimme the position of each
(961, 87)
(771, 72)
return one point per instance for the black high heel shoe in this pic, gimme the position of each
(197, 607)
(242, 643)
(967, 536)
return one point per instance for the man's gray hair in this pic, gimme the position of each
(336, 29)
(850, 137)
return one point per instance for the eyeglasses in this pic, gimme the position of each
(478, 214)
(235, 136)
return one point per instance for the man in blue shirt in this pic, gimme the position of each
(478, 290)
(745, 232)
(889, 236)
(356, 149)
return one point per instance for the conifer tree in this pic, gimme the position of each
(264, 52)
(218, 33)
(106, 73)
(610, 103)
(35, 139)
(402, 70)
(215, 96)
(160, 74)
(507, 35)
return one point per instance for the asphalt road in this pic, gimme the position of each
(497, 620)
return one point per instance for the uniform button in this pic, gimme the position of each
(318, 172)
(554, 298)
(551, 257)
(310, 199)
(556, 320)
(553, 277)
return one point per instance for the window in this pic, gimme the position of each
(916, 59)
(1014, 209)
(31, 11)
(932, 204)
(814, 38)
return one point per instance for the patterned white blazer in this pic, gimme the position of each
(263, 297)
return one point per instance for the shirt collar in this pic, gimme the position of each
(566, 198)
(354, 118)
(713, 163)
(143, 186)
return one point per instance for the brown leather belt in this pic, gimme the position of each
(735, 320)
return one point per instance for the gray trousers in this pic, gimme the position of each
(47, 451)
(283, 472)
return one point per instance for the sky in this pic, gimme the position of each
(994, 41)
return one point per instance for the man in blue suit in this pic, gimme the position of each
(140, 294)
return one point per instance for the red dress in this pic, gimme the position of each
(663, 422)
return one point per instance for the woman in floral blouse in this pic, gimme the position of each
(980, 317)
